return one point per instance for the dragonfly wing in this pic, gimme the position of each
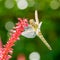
(40, 25)
(29, 33)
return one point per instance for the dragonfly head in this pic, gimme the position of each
(33, 24)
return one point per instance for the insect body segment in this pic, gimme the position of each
(43, 40)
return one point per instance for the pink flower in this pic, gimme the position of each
(21, 57)
(6, 51)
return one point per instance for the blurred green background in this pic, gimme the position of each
(49, 14)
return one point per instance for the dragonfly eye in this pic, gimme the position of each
(31, 21)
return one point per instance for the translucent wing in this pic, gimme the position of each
(40, 25)
(29, 33)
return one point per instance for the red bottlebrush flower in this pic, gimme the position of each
(14, 36)
(1, 46)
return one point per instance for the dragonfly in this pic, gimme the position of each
(34, 29)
